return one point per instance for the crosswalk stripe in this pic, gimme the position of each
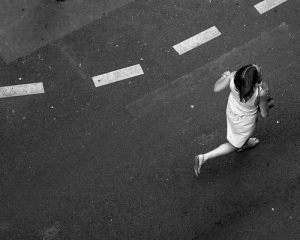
(118, 75)
(197, 40)
(267, 5)
(21, 90)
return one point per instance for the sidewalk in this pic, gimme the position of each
(28, 25)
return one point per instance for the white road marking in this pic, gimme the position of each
(21, 90)
(118, 75)
(267, 5)
(197, 40)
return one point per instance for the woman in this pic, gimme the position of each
(247, 95)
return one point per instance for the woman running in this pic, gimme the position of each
(247, 95)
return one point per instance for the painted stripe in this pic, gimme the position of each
(197, 40)
(21, 90)
(118, 75)
(267, 5)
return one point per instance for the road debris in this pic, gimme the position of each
(51, 232)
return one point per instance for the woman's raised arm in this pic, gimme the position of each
(222, 82)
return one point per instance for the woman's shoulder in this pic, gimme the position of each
(231, 76)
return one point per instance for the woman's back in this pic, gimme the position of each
(247, 108)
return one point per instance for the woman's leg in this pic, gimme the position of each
(222, 150)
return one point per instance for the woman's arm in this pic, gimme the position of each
(263, 104)
(222, 82)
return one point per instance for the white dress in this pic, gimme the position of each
(241, 117)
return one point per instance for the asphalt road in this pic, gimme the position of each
(116, 162)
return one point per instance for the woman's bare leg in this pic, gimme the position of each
(222, 150)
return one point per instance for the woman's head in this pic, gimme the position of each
(245, 80)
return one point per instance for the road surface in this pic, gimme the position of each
(105, 104)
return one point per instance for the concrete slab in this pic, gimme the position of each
(30, 25)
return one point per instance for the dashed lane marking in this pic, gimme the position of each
(118, 75)
(21, 90)
(267, 5)
(197, 40)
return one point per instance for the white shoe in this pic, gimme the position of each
(252, 142)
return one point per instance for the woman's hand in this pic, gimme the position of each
(225, 74)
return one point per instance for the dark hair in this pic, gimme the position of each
(245, 79)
